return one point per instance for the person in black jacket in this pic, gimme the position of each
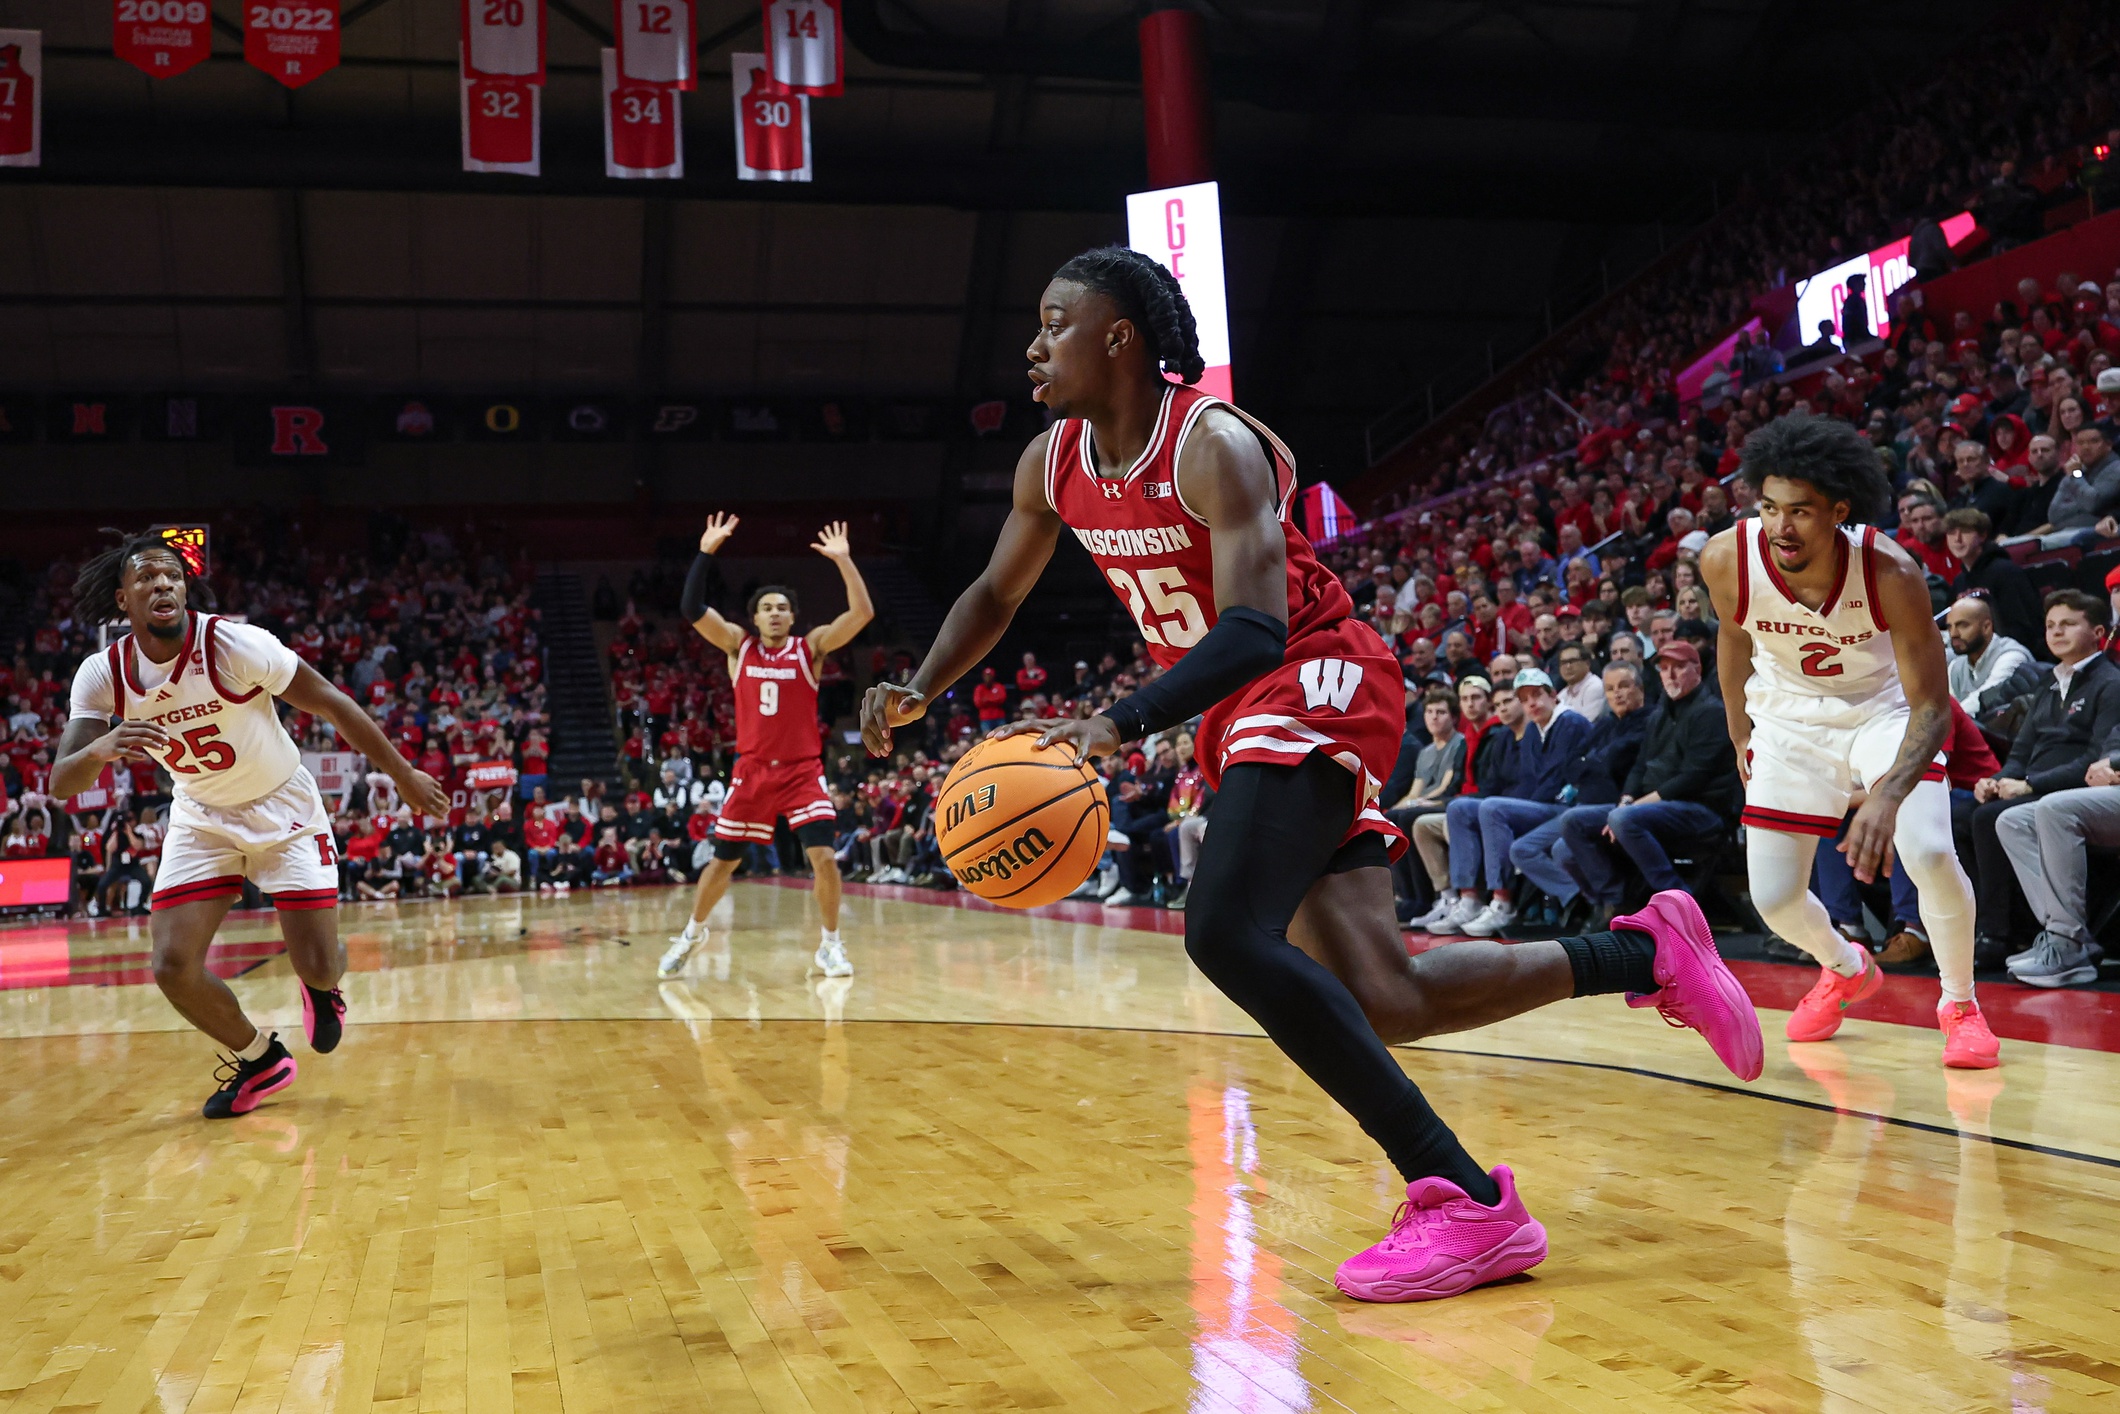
(1990, 574)
(1545, 856)
(2061, 735)
(1684, 786)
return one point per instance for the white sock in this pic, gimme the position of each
(1849, 961)
(258, 1045)
(691, 933)
(831, 936)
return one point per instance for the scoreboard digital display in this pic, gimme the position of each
(193, 544)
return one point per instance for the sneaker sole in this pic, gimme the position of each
(2074, 977)
(1971, 1062)
(1524, 1249)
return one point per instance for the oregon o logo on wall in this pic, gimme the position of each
(503, 418)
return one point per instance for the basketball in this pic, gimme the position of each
(1019, 826)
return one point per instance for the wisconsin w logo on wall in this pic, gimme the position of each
(1329, 681)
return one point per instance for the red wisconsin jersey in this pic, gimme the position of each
(1153, 548)
(776, 701)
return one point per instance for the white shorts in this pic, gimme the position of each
(282, 843)
(1802, 773)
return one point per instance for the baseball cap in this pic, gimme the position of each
(2109, 381)
(1533, 677)
(1475, 680)
(1678, 651)
(1966, 403)
(1567, 611)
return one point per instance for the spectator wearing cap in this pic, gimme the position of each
(1609, 753)
(1681, 524)
(1986, 572)
(1684, 788)
(2109, 403)
(1547, 768)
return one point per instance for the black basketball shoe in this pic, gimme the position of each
(323, 1018)
(244, 1083)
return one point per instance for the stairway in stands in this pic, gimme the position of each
(908, 612)
(583, 742)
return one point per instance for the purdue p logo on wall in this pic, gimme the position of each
(1018, 853)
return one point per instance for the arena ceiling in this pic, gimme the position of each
(1402, 180)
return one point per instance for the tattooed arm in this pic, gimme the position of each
(1903, 594)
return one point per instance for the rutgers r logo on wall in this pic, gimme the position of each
(1329, 681)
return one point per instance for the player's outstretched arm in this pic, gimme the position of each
(87, 746)
(1222, 473)
(830, 638)
(1733, 646)
(705, 620)
(313, 694)
(1902, 591)
(982, 613)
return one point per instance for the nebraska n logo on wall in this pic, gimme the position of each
(1329, 680)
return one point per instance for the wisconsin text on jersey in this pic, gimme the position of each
(1133, 543)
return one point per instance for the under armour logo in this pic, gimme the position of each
(1112, 490)
(1329, 681)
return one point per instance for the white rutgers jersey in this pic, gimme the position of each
(227, 747)
(1842, 653)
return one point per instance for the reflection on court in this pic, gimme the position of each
(1011, 1163)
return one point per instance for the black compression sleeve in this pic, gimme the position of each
(693, 602)
(1244, 645)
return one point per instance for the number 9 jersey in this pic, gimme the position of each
(1338, 689)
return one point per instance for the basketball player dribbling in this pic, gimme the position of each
(779, 748)
(1834, 679)
(1183, 502)
(196, 691)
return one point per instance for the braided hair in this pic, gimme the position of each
(102, 574)
(1149, 295)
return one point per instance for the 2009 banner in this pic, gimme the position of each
(161, 38)
(294, 43)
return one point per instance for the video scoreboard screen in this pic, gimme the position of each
(194, 543)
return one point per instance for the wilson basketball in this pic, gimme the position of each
(1018, 826)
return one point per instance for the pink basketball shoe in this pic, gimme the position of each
(1696, 989)
(1442, 1243)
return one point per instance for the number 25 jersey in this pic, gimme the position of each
(1153, 549)
(227, 747)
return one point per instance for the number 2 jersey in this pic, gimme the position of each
(227, 747)
(1824, 667)
(1338, 689)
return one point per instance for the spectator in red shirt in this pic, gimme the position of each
(1030, 678)
(1921, 534)
(540, 847)
(991, 700)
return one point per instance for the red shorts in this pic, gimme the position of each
(1340, 691)
(762, 791)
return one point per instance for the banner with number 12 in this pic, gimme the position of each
(655, 41)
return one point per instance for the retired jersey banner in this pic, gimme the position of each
(501, 121)
(806, 47)
(772, 124)
(161, 37)
(642, 136)
(21, 98)
(505, 39)
(655, 41)
(294, 43)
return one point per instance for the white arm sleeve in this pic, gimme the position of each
(92, 697)
(251, 657)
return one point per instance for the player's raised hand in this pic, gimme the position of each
(424, 794)
(831, 541)
(1089, 736)
(720, 527)
(129, 741)
(884, 706)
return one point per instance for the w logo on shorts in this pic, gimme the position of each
(1329, 681)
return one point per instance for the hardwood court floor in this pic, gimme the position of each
(1013, 1163)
